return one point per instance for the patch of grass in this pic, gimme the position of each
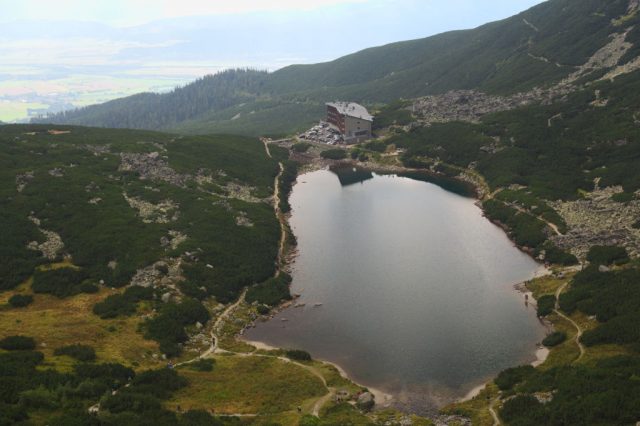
(58, 322)
(545, 285)
(477, 408)
(248, 385)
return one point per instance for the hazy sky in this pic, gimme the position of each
(65, 53)
(448, 13)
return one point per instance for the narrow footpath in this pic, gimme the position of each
(577, 327)
(219, 323)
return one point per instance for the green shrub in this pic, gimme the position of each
(20, 300)
(18, 343)
(334, 154)
(557, 256)
(607, 255)
(510, 377)
(271, 292)
(376, 146)
(80, 352)
(546, 305)
(159, 383)
(301, 147)
(167, 328)
(623, 197)
(263, 309)
(63, 282)
(298, 355)
(554, 339)
(122, 304)
(515, 407)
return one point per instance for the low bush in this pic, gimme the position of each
(18, 343)
(546, 304)
(554, 339)
(63, 282)
(80, 352)
(623, 197)
(334, 154)
(167, 328)
(272, 291)
(123, 304)
(298, 355)
(20, 300)
(510, 377)
(301, 147)
(607, 255)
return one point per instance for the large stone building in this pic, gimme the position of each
(352, 120)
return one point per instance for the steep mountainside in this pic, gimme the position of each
(538, 47)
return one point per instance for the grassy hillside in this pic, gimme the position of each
(535, 48)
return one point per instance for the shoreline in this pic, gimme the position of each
(381, 398)
(541, 353)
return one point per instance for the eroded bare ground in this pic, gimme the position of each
(599, 220)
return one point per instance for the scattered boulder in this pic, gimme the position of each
(365, 401)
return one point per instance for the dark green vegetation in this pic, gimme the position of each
(17, 343)
(63, 282)
(623, 197)
(123, 304)
(80, 352)
(497, 57)
(510, 377)
(20, 300)
(106, 192)
(605, 391)
(393, 114)
(334, 154)
(301, 147)
(607, 255)
(285, 184)
(272, 291)
(206, 210)
(554, 339)
(167, 328)
(28, 387)
(527, 230)
(546, 304)
(613, 298)
(298, 355)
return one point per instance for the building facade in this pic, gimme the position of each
(352, 120)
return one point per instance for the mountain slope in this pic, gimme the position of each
(538, 47)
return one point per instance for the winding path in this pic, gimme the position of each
(496, 419)
(216, 328)
(579, 333)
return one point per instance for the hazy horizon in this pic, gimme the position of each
(68, 54)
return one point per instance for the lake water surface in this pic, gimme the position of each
(416, 288)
